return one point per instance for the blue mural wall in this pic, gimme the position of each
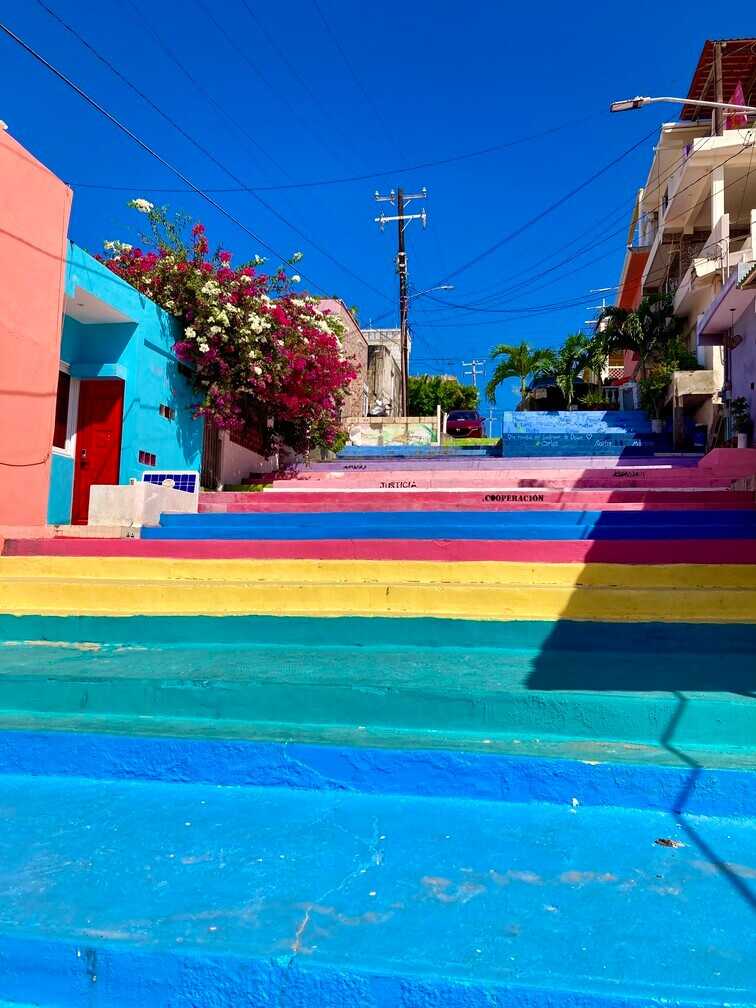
(120, 333)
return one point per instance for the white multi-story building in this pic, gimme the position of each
(693, 235)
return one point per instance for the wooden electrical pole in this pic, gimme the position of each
(401, 268)
(402, 220)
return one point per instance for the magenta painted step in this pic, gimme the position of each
(464, 500)
(719, 551)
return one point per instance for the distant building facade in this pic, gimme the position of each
(356, 349)
(385, 368)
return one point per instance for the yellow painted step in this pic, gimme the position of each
(495, 573)
(502, 591)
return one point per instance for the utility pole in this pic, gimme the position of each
(474, 368)
(402, 220)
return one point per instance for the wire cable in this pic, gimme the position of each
(383, 173)
(208, 154)
(93, 103)
(549, 209)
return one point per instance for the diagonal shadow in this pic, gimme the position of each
(681, 802)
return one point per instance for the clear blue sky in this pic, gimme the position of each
(404, 84)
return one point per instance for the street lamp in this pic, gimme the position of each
(633, 103)
(431, 290)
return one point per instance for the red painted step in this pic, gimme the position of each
(473, 500)
(675, 551)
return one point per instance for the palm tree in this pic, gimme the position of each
(519, 362)
(647, 331)
(573, 357)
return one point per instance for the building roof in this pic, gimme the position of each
(738, 64)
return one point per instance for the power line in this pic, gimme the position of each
(549, 209)
(383, 173)
(612, 234)
(360, 86)
(283, 57)
(208, 154)
(137, 140)
(203, 7)
(572, 303)
(199, 87)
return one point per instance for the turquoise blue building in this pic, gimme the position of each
(124, 403)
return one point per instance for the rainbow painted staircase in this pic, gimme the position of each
(457, 731)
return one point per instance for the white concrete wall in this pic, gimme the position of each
(237, 462)
(137, 504)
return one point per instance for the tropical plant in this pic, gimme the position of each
(740, 412)
(595, 400)
(568, 362)
(426, 392)
(518, 362)
(653, 390)
(648, 331)
(597, 355)
(255, 349)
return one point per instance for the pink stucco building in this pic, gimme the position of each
(34, 212)
(356, 348)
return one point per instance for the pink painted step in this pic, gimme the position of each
(675, 551)
(462, 500)
(504, 478)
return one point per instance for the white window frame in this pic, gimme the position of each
(73, 409)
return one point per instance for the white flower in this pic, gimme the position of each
(296, 278)
(296, 257)
(215, 329)
(257, 370)
(245, 279)
(142, 205)
(258, 260)
(190, 333)
(204, 347)
(209, 288)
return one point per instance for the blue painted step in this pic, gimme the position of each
(126, 895)
(520, 525)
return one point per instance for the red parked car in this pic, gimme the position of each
(464, 423)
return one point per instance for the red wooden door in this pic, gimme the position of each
(98, 440)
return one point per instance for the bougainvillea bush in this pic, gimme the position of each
(261, 356)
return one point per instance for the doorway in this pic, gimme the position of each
(98, 440)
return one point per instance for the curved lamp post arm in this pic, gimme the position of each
(638, 102)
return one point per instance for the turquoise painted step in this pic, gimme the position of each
(124, 895)
(565, 689)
